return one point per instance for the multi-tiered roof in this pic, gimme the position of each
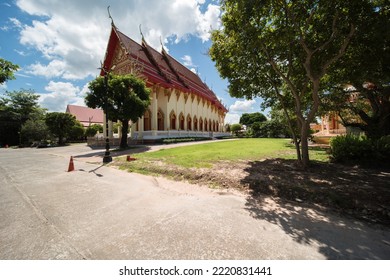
(159, 68)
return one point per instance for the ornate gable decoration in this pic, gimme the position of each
(120, 55)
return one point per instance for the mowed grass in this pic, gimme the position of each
(205, 155)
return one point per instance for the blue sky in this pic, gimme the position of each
(59, 44)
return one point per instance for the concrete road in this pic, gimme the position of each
(98, 212)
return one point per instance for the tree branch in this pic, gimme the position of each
(332, 36)
(341, 51)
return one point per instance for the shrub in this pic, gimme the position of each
(92, 130)
(350, 148)
(235, 128)
(182, 140)
(35, 130)
(382, 148)
(356, 149)
(76, 132)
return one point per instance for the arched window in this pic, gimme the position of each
(189, 122)
(195, 123)
(201, 124)
(181, 121)
(160, 120)
(210, 125)
(147, 121)
(205, 125)
(172, 118)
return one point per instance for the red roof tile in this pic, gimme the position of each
(86, 115)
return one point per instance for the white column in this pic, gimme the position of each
(140, 127)
(154, 112)
(119, 129)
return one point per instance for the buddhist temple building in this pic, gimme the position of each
(330, 126)
(182, 105)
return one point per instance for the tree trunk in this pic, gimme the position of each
(61, 141)
(305, 146)
(291, 127)
(297, 148)
(125, 128)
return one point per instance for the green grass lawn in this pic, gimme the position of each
(204, 155)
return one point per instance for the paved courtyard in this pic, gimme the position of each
(98, 212)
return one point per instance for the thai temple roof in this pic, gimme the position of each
(159, 67)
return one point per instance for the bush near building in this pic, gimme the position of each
(361, 150)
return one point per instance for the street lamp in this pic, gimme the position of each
(107, 157)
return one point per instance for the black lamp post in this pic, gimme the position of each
(107, 157)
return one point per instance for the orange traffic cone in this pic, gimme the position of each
(71, 165)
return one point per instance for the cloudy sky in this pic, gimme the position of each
(59, 44)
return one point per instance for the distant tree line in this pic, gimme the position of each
(23, 122)
(258, 126)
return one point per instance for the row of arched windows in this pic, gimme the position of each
(193, 124)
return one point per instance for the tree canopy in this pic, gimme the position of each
(7, 70)
(249, 118)
(282, 50)
(60, 125)
(124, 98)
(359, 85)
(16, 108)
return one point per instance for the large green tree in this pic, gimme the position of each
(281, 50)
(77, 132)
(15, 109)
(34, 130)
(359, 85)
(60, 125)
(7, 70)
(250, 118)
(123, 97)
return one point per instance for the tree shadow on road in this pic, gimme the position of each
(114, 153)
(310, 206)
(94, 170)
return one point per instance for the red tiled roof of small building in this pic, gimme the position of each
(86, 115)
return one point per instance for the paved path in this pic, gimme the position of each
(97, 212)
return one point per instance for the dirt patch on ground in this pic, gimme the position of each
(361, 193)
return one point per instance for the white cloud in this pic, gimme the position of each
(18, 74)
(21, 53)
(232, 118)
(16, 23)
(242, 106)
(187, 61)
(73, 34)
(55, 68)
(209, 21)
(59, 95)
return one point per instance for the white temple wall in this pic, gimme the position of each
(172, 100)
